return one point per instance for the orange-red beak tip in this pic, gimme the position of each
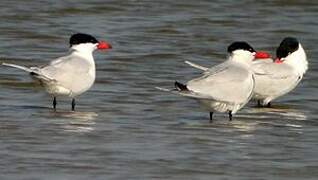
(277, 61)
(103, 45)
(261, 55)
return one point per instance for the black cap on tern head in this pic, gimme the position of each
(240, 45)
(286, 47)
(80, 38)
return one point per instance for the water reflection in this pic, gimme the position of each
(75, 121)
(286, 112)
(251, 119)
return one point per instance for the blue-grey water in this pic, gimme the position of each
(123, 128)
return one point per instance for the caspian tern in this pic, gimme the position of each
(70, 75)
(226, 87)
(274, 78)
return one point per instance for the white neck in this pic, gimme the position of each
(241, 56)
(298, 60)
(84, 50)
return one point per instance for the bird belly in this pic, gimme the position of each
(57, 90)
(219, 106)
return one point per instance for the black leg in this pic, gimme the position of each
(259, 103)
(73, 104)
(230, 115)
(54, 103)
(211, 115)
(269, 105)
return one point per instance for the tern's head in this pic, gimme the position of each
(288, 49)
(243, 52)
(86, 42)
(291, 52)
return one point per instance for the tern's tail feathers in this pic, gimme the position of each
(180, 86)
(182, 90)
(196, 66)
(18, 67)
(32, 70)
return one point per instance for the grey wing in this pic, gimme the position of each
(218, 68)
(69, 71)
(226, 83)
(274, 78)
(271, 69)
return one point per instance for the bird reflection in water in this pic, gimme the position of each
(76, 121)
(287, 112)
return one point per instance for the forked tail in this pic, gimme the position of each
(183, 90)
(32, 70)
(196, 66)
(18, 67)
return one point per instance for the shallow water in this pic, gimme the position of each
(124, 128)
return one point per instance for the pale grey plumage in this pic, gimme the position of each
(229, 86)
(70, 75)
(273, 80)
(226, 87)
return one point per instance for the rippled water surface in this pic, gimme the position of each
(126, 129)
